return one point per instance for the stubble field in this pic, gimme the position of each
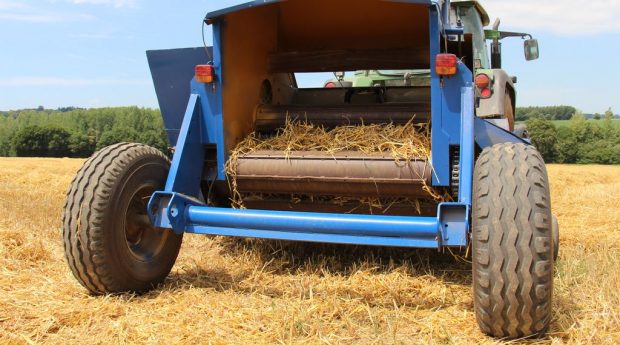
(225, 291)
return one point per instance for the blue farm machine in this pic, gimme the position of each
(130, 205)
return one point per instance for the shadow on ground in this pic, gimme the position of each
(298, 259)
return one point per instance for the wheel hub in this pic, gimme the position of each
(143, 240)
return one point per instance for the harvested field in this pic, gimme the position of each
(245, 292)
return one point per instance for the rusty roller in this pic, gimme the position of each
(321, 173)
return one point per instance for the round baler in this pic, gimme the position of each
(446, 161)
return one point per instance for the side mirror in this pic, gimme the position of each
(531, 49)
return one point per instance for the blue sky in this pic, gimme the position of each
(90, 53)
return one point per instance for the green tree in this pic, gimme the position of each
(37, 141)
(567, 146)
(118, 135)
(599, 152)
(544, 136)
(596, 116)
(609, 114)
(81, 145)
(156, 139)
(58, 142)
(562, 112)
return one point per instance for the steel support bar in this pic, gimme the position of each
(467, 145)
(317, 237)
(342, 224)
(186, 168)
(187, 214)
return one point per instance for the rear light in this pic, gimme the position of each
(330, 85)
(446, 64)
(205, 73)
(483, 83)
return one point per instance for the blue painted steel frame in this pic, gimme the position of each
(181, 206)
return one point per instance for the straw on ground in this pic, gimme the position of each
(225, 291)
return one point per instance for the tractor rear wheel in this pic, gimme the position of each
(110, 244)
(509, 111)
(512, 242)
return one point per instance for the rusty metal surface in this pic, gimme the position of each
(320, 173)
(271, 117)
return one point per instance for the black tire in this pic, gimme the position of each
(512, 242)
(109, 242)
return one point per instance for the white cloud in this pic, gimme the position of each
(23, 12)
(55, 81)
(43, 17)
(566, 17)
(96, 36)
(10, 5)
(113, 3)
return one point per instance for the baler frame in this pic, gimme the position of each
(180, 207)
(117, 242)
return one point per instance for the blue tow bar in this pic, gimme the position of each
(185, 214)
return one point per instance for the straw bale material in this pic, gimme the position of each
(404, 143)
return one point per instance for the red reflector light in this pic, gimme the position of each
(486, 93)
(482, 81)
(205, 73)
(446, 64)
(330, 85)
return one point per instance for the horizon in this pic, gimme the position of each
(91, 53)
(71, 108)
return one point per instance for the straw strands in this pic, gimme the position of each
(226, 291)
(405, 143)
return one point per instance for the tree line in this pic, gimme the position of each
(560, 112)
(78, 133)
(74, 132)
(582, 141)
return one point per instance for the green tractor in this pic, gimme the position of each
(495, 89)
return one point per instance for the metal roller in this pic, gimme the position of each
(320, 173)
(272, 117)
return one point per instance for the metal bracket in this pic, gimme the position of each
(168, 210)
(454, 222)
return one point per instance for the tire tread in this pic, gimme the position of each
(511, 237)
(83, 216)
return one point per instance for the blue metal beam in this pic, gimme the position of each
(487, 134)
(467, 145)
(186, 214)
(186, 168)
(317, 237)
(319, 223)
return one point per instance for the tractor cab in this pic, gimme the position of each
(495, 92)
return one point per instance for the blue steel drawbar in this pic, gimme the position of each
(180, 205)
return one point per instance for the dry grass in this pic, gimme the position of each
(244, 292)
(405, 143)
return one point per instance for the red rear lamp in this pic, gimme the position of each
(482, 81)
(446, 64)
(330, 85)
(205, 73)
(486, 93)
